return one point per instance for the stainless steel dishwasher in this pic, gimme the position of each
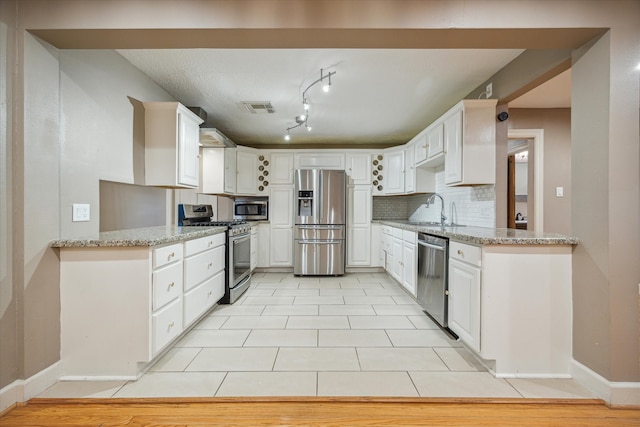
(433, 255)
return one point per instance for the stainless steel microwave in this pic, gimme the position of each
(251, 208)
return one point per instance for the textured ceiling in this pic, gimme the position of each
(378, 96)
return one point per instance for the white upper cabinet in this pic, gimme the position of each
(420, 147)
(218, 171)
(409, 169)
(394, 172)
(470, 142)
(315, 160)
(435, 141)
(281, 168)
(359, 168)
(172, 136)
(246, 172)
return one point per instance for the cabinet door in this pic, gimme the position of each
(281, 168)
(359, 246)
(398, 253)
(435, 141)
(281, 249)
(464, 302)
(359, 206)
(453, 148)
(230, 170)
(280, 206)
(254, 247)
(420, 148)
(188, 149)
(246, 168)
(394, 176)
(410, 170)
(409, 272)
(264, 239)
(359, 168)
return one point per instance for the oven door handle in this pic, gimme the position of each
(240, 238)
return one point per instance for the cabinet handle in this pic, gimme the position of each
(171, 325)
(210, 293)
(171, 285)
(171, 255)
(460, 252)
(447, 292)
(210, 265)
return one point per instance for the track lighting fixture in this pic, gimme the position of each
(303, 118)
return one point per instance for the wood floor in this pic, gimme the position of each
(319, 411)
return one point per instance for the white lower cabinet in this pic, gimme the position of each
(264, 244)
(359, 225)
(409, 261)
(281, 220)
(203, 275)
(254, 247)
(120, 307)
(281, 247)
(464, 293)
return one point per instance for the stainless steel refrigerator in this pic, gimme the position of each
(320, 218)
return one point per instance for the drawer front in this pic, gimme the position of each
(466, 253)
(166, 324)
(167, 284)
(195, 246)
(202, 266)
(386, 229)
(410, 236)
(200, 299)
(166, 255)
(397, 232)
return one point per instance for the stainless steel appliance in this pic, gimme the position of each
(432, 292)
(238, 247)
(251, 208)
(320, 218)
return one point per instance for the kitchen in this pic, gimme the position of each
(75, 155)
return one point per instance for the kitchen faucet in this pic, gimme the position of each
(431, 199)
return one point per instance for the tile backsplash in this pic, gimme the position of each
(465, 205)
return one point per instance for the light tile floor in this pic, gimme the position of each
(355, 335)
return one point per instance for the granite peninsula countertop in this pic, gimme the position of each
(148, 236)
(484, 236)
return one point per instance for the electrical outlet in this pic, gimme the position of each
(559, 191)
(489, 90)
(81, 212)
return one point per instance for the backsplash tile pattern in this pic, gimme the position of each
(465, 205)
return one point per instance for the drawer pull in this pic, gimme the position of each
(210, 242)
(210, 265)
(171, 255)
(460, 252)
(171, 285)
(447, 292)
(210, 293)
(171, 325)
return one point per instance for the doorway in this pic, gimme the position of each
(527, 170)
(519, 204)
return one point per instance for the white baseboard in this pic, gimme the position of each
(23, 390)
(614, 393)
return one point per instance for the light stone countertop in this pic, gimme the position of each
(149, 236)
(485, 236)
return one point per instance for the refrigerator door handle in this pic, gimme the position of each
(319, 242)
(321, 193)
(320, 226)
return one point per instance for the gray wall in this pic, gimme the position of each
(556, 123)
(51, 149)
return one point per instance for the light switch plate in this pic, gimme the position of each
(81, 212)
(559, 191)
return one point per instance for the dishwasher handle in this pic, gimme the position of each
(429, 245)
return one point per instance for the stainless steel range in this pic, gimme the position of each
(238, 248)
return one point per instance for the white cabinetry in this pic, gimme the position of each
(122, 306)
(409, 261)
(359, 168)
(359, 225)
(246, 172)
(419, 143)
(387, 248)
(435, 140)
(218, 171)
(315, 160)
(409, 169)
(281, 167)
(203, 275)
(394, 172)
(264, 242)
(377, 259)
(281, 219)
(464, 293)
(172, 136)
(397, 247)
(254, 247)
(469, 142)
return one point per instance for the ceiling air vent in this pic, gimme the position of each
(259, 107)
